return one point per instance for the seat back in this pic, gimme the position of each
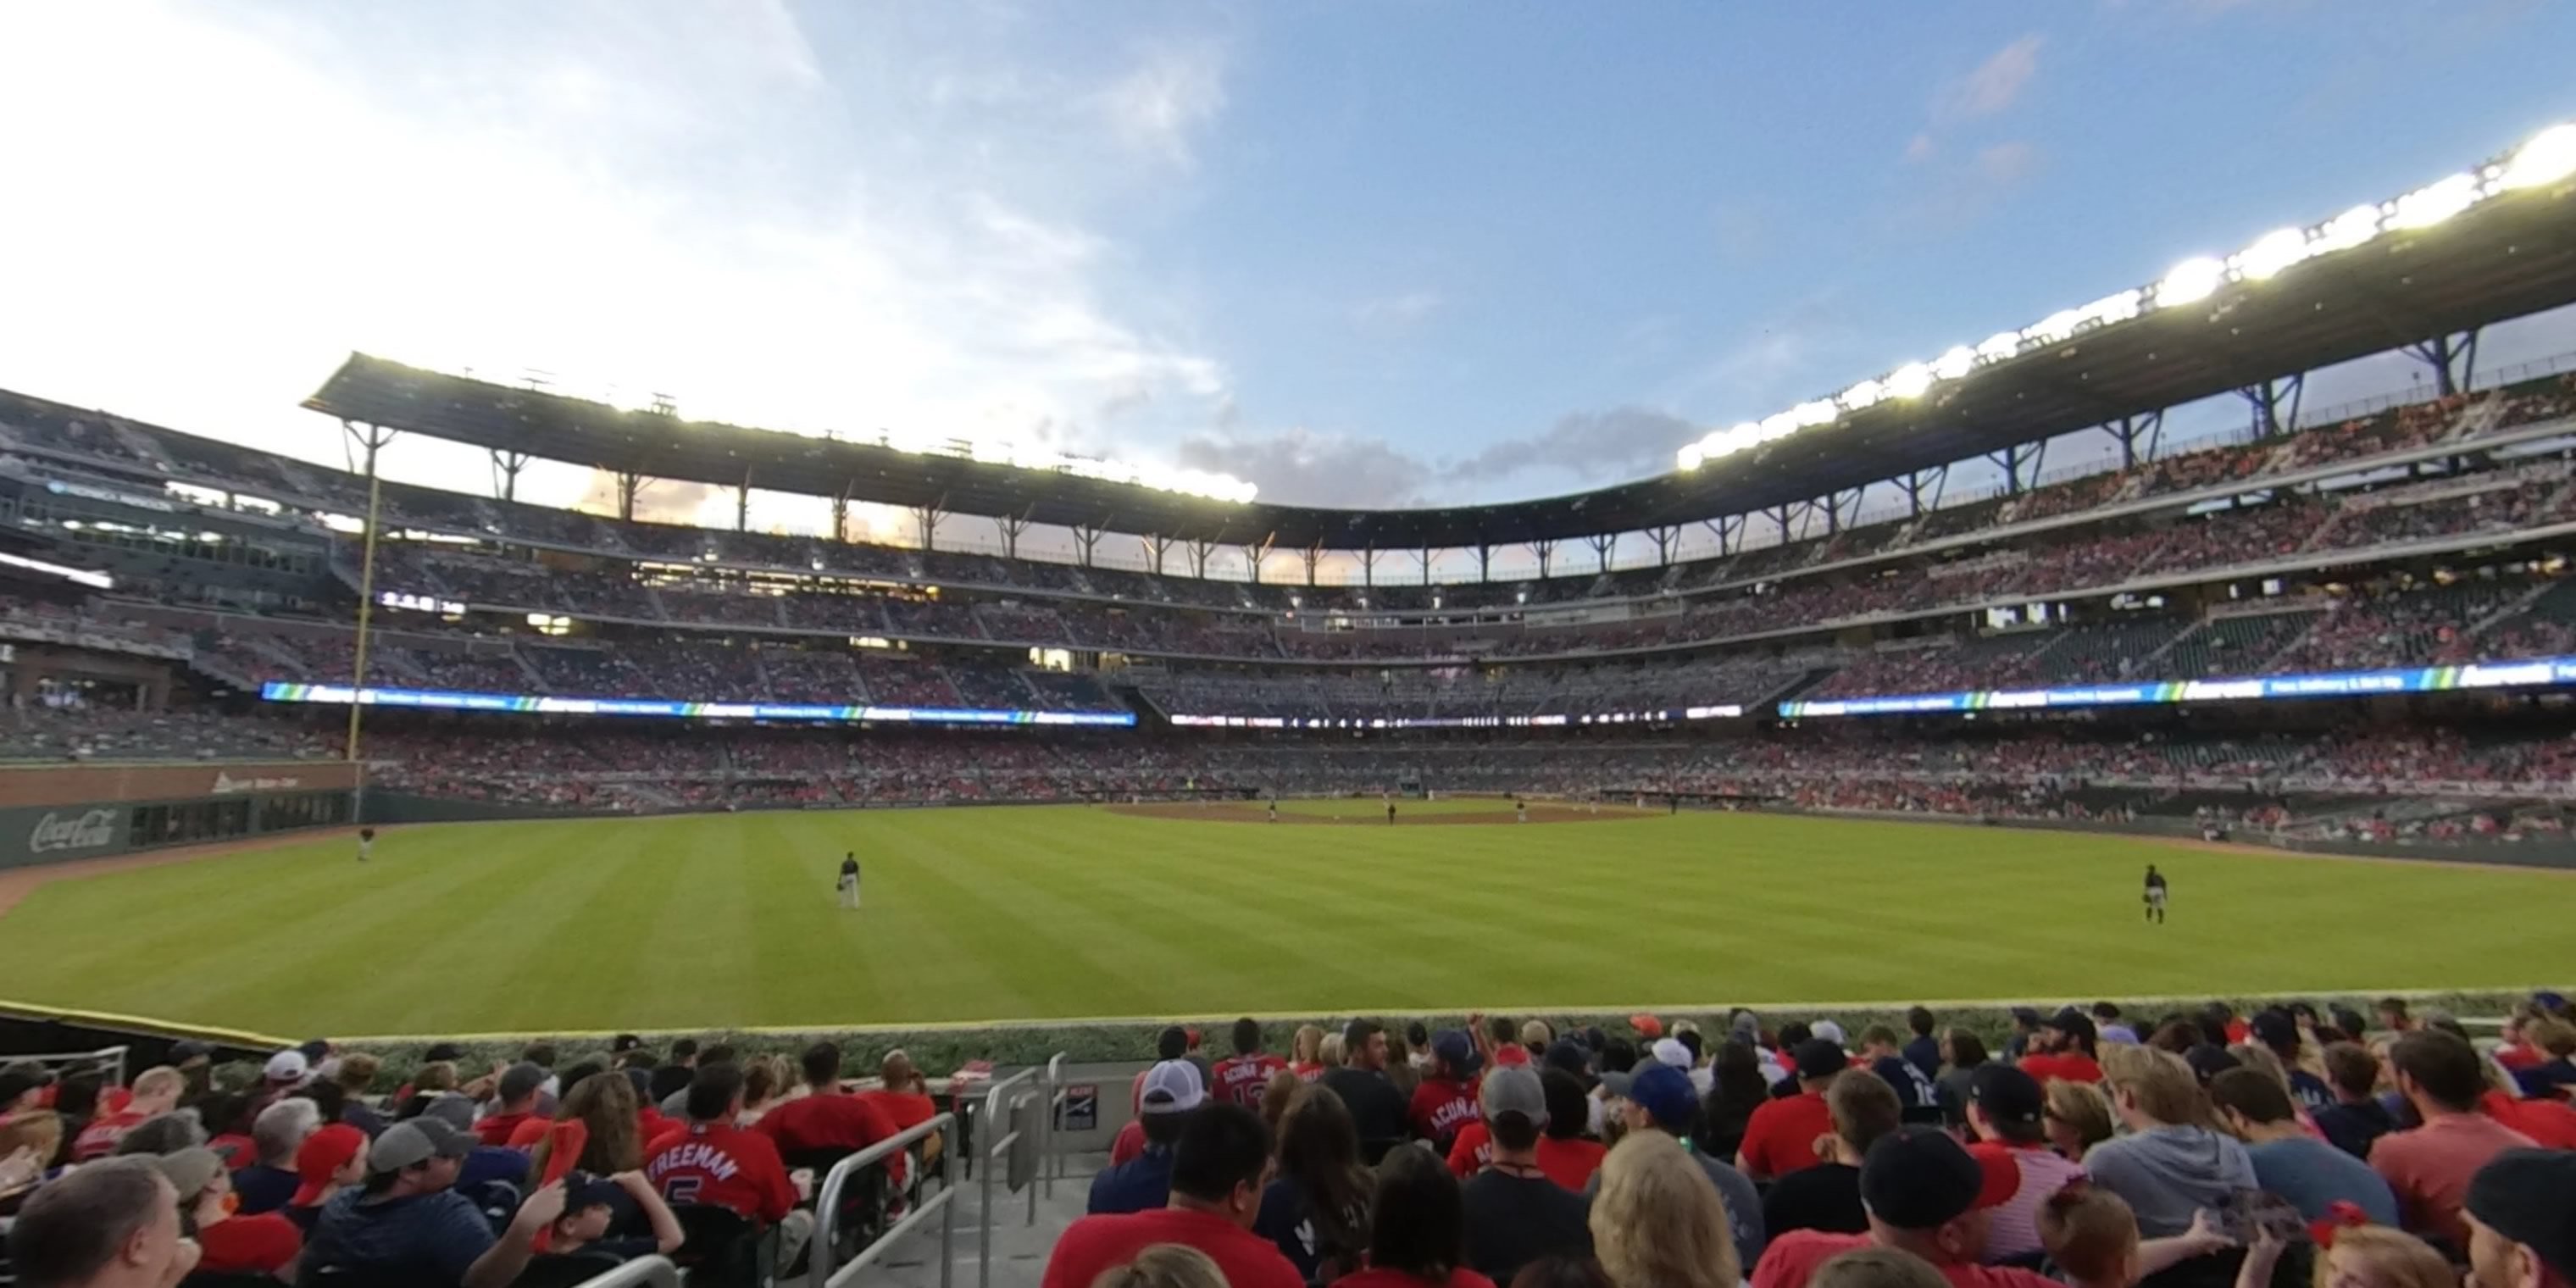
(567, 1270)
(719, 1247)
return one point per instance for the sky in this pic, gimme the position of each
(1361, 254)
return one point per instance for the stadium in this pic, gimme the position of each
(1117, 752)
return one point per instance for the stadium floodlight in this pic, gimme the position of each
(2433, 203)
(1689, 458)
(2271, 253)
(2549, 157)
(2546, 158)
(2190, 282)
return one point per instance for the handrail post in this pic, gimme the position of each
(1054, 1101)
(947, 1216)
(827, 1199)
(991, 1152)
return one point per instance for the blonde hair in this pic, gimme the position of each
(160, 1080)
(2551, 1034)
(2263, 1060)
(1657, 1222)
(2082, 1106)
(1164, 1265)
(1330, 1051)
(764, 1079)
(1307, 1046)
(2397, 1259)
(358, 1071)
(1876, 1268)
(2090, 1233)
(2161, 1084)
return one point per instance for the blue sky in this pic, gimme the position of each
(1362, 254)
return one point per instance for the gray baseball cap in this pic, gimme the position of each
(409, 1144)
(1514, 1089)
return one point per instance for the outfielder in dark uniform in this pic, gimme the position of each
(2155, 895)
(850, 880)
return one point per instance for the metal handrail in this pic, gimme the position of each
(1046, 1134)
(827, 1205)
(993, 1153)
(656, 1271)
(111, 1058)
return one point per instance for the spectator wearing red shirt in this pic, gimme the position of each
(1418, 1233)
(716, 1164)
(2064, 1049)
(1926, 1195)
(1565, 1153)
(233, 1245)
(1781, 1136)
(156, 1091)
(1218, 1164)
(2430, 1166)
(902, 1094)
(517, 1094)
(1446, 1099)
(826, 1119)
(1306, 1053)
(1240, 1079)
(332, 1159)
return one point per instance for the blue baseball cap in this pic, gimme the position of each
(1458, 1051)
(1664, 1092)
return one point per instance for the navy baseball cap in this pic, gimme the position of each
(2026, 1016)
(2006, 1094)
(585, 1190)
(1918, 1178)
(1458, 1051)
(1664, 1092)
(1571, 1056)
(1819, 1058)
(2073, 1023)
(2276, 1029)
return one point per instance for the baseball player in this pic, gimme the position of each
(366, 843)
(2155, 895)
(850, 879)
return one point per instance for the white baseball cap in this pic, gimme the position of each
(1671, 1051)
(1176, 1083)
(1828, 1030)
(287, 1066)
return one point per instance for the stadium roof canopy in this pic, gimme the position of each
(2493, 261)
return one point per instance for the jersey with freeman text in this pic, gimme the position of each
(720, 1165)
(1241, 1079)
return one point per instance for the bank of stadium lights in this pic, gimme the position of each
(2546, 158)
(1200, 483)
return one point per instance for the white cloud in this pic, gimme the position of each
(1159, 108)
(664, 197)
(1995, 85)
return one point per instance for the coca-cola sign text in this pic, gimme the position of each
(91, 831)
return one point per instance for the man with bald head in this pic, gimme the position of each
(904, 1095)
(108, 1224)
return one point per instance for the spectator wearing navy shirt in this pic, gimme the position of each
(2357, 1117)
(1923, 1050)
(2278, 1032)
(1144, 1183)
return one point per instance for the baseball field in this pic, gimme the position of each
(1071, 911)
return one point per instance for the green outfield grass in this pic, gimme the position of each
(1065, 912)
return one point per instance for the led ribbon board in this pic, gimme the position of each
(451, 700)
(2528, 673)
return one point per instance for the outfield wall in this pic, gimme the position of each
(62, 813)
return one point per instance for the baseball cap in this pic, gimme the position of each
(521, 1080)
(1918, 1177)
(1571, 1056)
(452, 1108)
(1671, 1051)
(1457, 1050)
(1820, 1058)
(2275, 1029)
(190, 1170)
(1171, 1087)
(1514, 1090)
(2006, 1094)
(287, 1066)
(1663, 1091)
(2026, 1016)
(1828, 1030)
(587, 1190)
(2070, 1020)
(412, 1143)
(322, 1153)
(186, 1049)
(2529, 1196)
(1647, 1026)
(625, 1042)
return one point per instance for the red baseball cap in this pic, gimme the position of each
(322, 1153)
(1647, 1026)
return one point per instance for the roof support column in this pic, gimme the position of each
(1779, 517)
(1368, 566)
(1665, 539)
(1257, 553)
(2020, 464)
(841, 515)
(927, 518)
(1011, 526)
(1546, 551)
(505, 473)
(1199, 552)
(1424, 557)
(1914, 484)
(1729, 530)
(2453, 356)
(2129, 431)
(1602, 544)
(1484, 563)
(1313, 555)
(1086, 545)
(742, 503)
(2269, 401)
(628, 484)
